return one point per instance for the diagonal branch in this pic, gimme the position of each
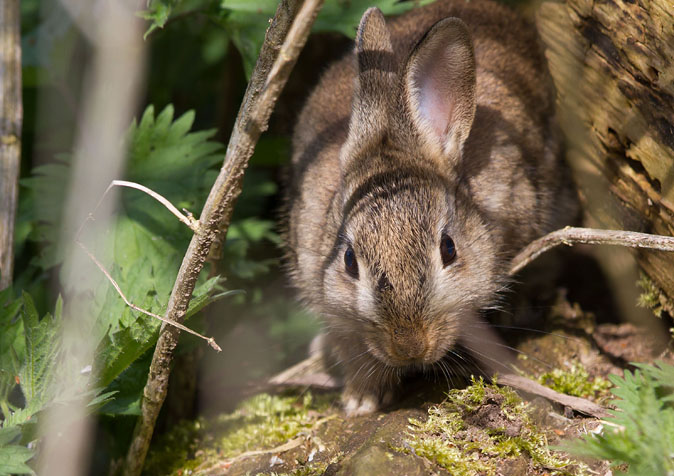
(263, 90)
(572, 236)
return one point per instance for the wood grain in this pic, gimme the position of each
(11, 116)
(612, 62)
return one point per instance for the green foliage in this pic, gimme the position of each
(144, 245)
(12, 344)
(12, 455)
(245, 22)
(42, 349)
(641, 430)
(35, 364)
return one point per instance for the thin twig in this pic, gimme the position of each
(571, 236)
(527, 385)
(226, 464)
(188, 220)
(210, 340)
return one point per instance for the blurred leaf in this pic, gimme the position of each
(129, 387)
(11, 342)
(158, 14)
(13, 457)
(344, 15)
(43, 348)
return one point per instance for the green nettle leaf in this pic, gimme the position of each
(641, 430)
(12, 344)
(117, 350)
(142, 247)
(13, 457)
(42, 353)
(41, 208)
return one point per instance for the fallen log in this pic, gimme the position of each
(612, 62)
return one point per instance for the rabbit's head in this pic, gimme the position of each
(413, 256)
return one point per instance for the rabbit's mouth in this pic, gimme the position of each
(412, 349)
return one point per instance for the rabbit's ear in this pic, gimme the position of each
(375, 82)
(440, 87)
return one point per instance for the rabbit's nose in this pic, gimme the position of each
(409, 344)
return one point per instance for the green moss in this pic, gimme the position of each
(309, 470)
(263, 421)
(577, 382)
(446, 439)
(174, 449)
(653, 298)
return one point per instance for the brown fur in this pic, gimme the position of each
(421, 132)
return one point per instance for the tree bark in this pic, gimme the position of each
(11, 116)
(612, 62)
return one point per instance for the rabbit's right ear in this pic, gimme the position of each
(440, 87)
(375, 82)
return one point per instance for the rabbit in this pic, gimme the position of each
(421, 163)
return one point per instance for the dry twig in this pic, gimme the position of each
(100, 266)
(277, 56)
(571, 236)
(188, 220)
(527, 385)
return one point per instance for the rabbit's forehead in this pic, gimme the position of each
(403, 226)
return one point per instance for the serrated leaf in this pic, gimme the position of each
(11, 342)
(144, 244)
(640, 431)
(13, 460)
(42, 351)
(119, 349)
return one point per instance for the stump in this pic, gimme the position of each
(612, 62)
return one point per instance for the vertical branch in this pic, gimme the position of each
(11, 116)
(271, 72)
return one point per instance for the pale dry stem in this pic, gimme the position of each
(100, 266)
(571, 236)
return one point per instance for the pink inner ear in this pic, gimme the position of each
(435, 103)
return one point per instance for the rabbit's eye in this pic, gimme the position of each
(350, 263)
(447, 249)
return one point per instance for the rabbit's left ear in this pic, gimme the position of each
(376, 79)
(440, 87)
